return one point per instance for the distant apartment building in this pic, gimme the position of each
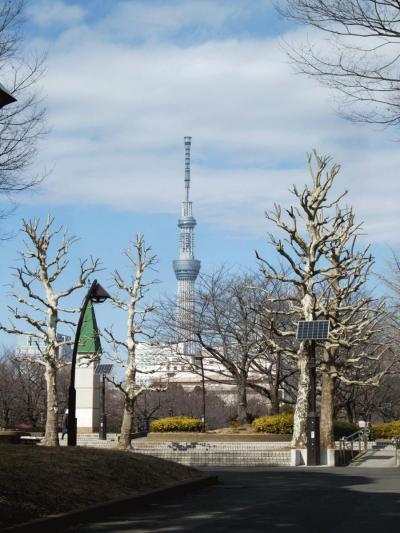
(29, 345)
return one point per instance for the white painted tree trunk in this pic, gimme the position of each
(327, 398)
(126, 426)
(51, 434)
(299, 439)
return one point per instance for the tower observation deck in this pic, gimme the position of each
(186, 267)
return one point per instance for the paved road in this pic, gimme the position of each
(386, 458)
(302, 500)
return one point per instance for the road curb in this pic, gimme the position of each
(94, 512)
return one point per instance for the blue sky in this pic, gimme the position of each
(125, 82)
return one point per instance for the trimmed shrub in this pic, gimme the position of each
(176, 423)
(281, 424)
(387, 430)
(342, 428)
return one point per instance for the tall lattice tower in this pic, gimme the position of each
(186, 267)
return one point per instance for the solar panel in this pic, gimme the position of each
(103, 369)
(312, 329)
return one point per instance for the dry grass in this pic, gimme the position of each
(37, 481)
(243, 428)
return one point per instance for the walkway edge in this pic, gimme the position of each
(94, 512)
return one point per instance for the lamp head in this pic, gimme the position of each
(5, 97)
(98, 294)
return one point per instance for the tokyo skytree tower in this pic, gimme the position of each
(186, 268)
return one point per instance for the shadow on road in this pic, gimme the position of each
(299, 500)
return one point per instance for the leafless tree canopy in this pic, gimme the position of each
(21, 123)
(23, 392)
(131, 300)
(362, 56)
(326, 276)
(38, 311)
(227, 316)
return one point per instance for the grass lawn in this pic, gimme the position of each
(37, 481)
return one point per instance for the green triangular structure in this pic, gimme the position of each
(89, 339)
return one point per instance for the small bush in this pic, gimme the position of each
(387, 430)
(281, 424)
(342, 428)
(176, 423)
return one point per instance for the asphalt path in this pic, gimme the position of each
(309, 500)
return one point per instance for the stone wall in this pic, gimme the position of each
(209, 454)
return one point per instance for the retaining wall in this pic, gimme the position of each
(208, 454)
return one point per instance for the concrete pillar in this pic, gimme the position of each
(87, 385)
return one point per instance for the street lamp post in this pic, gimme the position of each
(203, 390)
(103, 370)
(103, 416)
(96, 294)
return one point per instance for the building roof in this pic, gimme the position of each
(89, 339)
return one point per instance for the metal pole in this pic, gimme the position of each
(204, 396)
(313, 441)
(365, 435)
(72, 423)
(103, 419)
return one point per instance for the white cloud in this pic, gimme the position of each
(160, 20)
(118, 114)
(47, 13)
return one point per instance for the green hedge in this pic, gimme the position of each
(387, 430)
(342, 428)
(282, 424)
(176, 423)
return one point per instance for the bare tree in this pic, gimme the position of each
(231, 333)
(393, 279)
(175, 400)
(21, 123)
(306, 231)
(131, 299)
(376, 404)
(279, 373)
(8, 399)
(357, 321)
(362, 60)
(325, 271)
(276, 363)
(30, 390)
(39, 304)
(227, 324)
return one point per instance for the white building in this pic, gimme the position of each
(164, 365)
(31, 346)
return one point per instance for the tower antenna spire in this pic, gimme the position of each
(186, 267)
(188, 143)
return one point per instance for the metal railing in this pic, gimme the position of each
(359, 440)
(396, 444)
